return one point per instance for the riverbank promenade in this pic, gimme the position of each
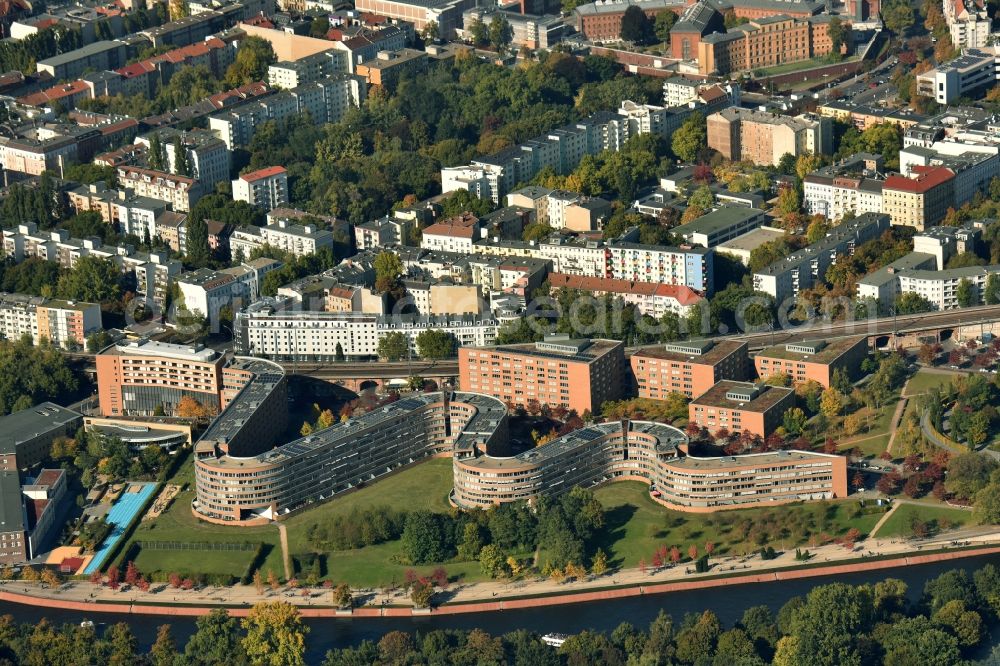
(869, 555)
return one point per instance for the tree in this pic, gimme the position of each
(817, 230)
(164, 650)
(831, 402)
(388, 269)
(342, 596)
(986, 507)
(472, 542)
(196, 249)
(182, 166)
(702, 198)
(492, 561)
(93, 280)
(189, 408)
(393, 346)
(155, 154)
(431, 31)
(837, 33)
(898, 16)
(912, 303)
(253, 58)
(662, 24)
(424, 538)
(599, 565)
(500, 33)
(991, 294)
(690, 138)
(636, 26)
(479, 32)
(436, 344)
(275, 634)
(968, 473)
(789, 201)
(794, 420)
(965, 294)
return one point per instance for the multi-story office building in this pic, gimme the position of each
(602, 21)
(26, 436)
(920, 201)
(558, 371)
(813, 360)
(297, 239)
(966, 76)
(446, 14)
(238, 481)
(649, 298)
(802, 269)
(138, 378)
(265, 330)
(764, 138)
(691, 368)
(851, 185)
(653, 453)
(740, 407)
(764, 42)
(721, 225)
(264, 188)
(968, 22)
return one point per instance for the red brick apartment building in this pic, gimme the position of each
(691, 368)
(578, 374)
(816, 360)
(741, 407)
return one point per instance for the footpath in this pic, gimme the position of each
(869, 555)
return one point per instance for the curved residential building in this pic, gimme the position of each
(235, 485)
(654, 453)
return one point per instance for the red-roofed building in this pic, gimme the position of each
(67, 94)
(456, 234)
(265, 188)
(920, 201)
(650, 298)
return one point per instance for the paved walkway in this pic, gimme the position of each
(884, 518)
(386, 601)
(286, 557)
(897, 419)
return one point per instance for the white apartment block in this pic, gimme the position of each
(974, 70)
(561, 149)
(265, 330)
(264, 188)
(380, 233)
(974, 164)
(835, 197)
(296, 239)
(691, 267)
(326, 100)
(207, 155)
(207, 291)
(137, 216)
(941, 287)
(968, 22)
(288, 74)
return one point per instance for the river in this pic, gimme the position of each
(727, 602)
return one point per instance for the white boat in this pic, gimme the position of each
(554, 640)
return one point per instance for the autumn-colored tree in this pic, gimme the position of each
(113, 577)
(675, 554)
(258, 582)
(275, 634)
(693, 551)
(599, 566)
(272, 580)
(342, 596)
(131, 573)
(96, 578)
(709, 547)
(189, 408)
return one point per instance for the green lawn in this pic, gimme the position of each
(923, 381)
(900, 523)
(189, 562)
(177, 523)
(636, 525)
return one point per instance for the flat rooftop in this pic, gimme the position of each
(748, 460)
(166, 349)
(764, 397)
(703, 352)
(751, 240)
(830, 351)
(717, 220)
(32, 422)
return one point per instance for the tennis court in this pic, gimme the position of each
(121, 516)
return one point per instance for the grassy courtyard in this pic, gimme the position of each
(900, 523)
(924, 380)
(636, 525)
(177, 523)
(188, 562)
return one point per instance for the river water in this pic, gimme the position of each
(727, 602)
